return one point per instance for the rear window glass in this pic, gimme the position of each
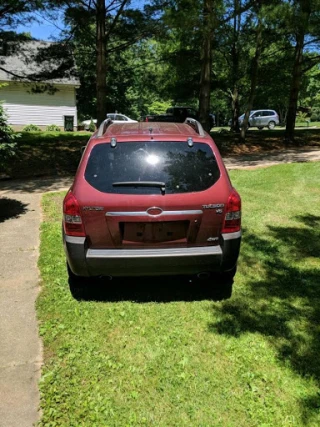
(143, 168)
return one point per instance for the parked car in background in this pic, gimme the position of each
(261, 119)
(86, 123)
(115, 117)
(177, 114)
(212, 120)
(120, 118)
(152, 199)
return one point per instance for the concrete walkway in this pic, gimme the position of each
(21, 350)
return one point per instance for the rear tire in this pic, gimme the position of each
(77, 284)
(219, 285)
(271, 125)
(225, 283)
(227, 276)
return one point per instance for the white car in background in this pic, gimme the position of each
(115, 117)
(120, 118)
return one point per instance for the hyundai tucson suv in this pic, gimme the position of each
(152, 199)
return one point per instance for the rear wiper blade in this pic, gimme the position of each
(159, 184)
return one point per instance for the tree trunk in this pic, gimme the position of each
(235, 67)
(235, 110)
(297, 69)
(101, 84)
(206, 63)
(254, 79)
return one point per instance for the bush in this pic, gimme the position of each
(315, 114)
(8, 146)
(53, 128)
(32, 128)
(92, 126)
(301, 117)
(158, 107)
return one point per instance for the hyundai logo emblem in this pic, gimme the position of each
(154, 211)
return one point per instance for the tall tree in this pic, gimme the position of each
(101, 18)
(235, 55)
(305, 25)
(101, 46)
(106, 59)
(254, 69)
(14, 12)
(206, 61)
(101, 85)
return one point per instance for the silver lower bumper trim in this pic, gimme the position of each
(153, 253)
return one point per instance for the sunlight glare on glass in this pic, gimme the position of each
(152, 159)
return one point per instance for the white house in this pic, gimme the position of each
(22, 105)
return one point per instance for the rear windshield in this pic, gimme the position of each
(152, 168)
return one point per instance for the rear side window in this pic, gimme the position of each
(257, 114)
(133, 167)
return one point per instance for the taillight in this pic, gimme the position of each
(232, 220)
(72, 221)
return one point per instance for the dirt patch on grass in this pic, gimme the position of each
(259, 142)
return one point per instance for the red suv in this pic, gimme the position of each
(152, 199)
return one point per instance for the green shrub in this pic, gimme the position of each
(315, 114)
(301, 117)
(8, 145)
(31, 128)
(159, 107)
(53, 128)
(92, 126)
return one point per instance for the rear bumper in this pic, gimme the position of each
(151, 262)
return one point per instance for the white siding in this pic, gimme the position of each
(42, 109)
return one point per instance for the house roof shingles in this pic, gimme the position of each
(20, 65)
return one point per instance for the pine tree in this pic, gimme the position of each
(8, 146)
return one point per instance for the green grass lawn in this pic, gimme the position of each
(166, 353)
(41, 154)
(46, 154)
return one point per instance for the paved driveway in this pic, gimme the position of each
(21, 351)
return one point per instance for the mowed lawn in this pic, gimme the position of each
(165, 353)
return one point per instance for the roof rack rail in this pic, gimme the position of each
(195, 125)
(104, 126)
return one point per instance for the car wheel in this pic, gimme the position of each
(224, 283)
(271, 125)
(260, 127)
(77, 284)
(219, 286)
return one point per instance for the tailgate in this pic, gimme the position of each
(153, 226)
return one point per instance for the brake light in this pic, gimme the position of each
(72, 221)
(232, 220)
